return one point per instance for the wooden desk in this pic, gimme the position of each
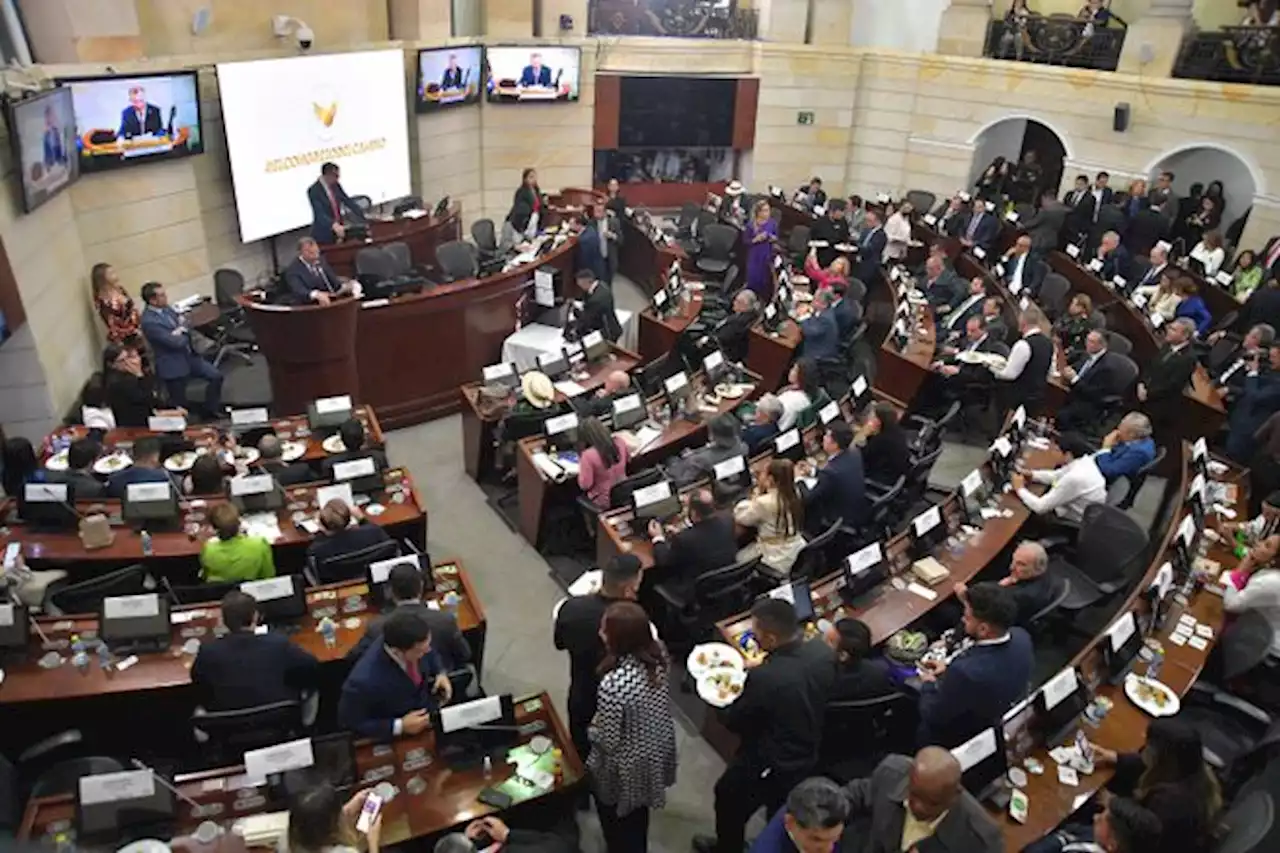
(658, 335)
(477, 430)
(447, 800)
(646, 262)
(422, 235)
(534, 489)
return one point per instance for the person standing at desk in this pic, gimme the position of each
(129, 391)
(598, 313)
(1160, 387)
(328, 199)
(871, 245)
(1026, 372)
(832, 228)
(309, 277)
(708, 543)
(759, 236)
(176, 360)
(529, 194)
(616, 204)
(598, 244)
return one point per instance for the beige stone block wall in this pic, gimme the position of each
(244, 25)
(449, 160)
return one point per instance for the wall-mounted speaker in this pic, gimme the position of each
(1120, 122)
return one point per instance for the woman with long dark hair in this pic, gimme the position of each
(130, 392)
(633, 736)
(115, 306)
(990, 185)
(776, 511)
(800, 392)
(319, 822)
(603, 463)
(17, 465)
(530, 195)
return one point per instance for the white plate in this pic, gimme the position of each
(291, 450)
(375, 510)
(733, 392)
(181, 461)
(710, 690)
(333, 444)
(1171, 707)
(57, 462)
(845, 247)
(703, 659)
(112, 463)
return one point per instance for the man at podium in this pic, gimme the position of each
(311, 279)
(328, 199)
(535, 73)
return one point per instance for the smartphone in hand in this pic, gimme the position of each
(369, 812)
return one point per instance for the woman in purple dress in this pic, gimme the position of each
(759, 235)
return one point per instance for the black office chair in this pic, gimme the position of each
(457, 260)
(917, 481)
(373, 265)
(1220, 354)
(1053, 295)
(62, 598)
(53, 766)
(1226, 323)
(199, 593)
(858, 733)
(798, 243)
(815, 557)
(718, 243)
(232, 335)
(485, 236)
(688, 216)
(878, 524)
(1247, 824)
(714, 595)
(1038, 622)
(928, 437)
(1138, 478)
(1105, 558)
(227, 735)
(922, 200)
(351, 565)
(363, 202)
(857, 291)
(1098, 319)
(401, 257)
(619, 496)
(1119, 344)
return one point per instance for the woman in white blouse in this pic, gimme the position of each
(801, 391)
(1162, 298)
(777, 514)
(898, 231)
(1209, 251)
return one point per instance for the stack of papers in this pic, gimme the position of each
(645, 436)
(569, 388)
(263, 830)
(263, 524)
(548, 467)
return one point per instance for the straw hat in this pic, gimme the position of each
(538, 389)
(734, 188)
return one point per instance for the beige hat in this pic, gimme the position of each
(734, 188)
(538, 389)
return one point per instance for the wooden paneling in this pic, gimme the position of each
(608, 111)
(744, 113)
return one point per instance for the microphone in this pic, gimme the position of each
(173, 114)
(164, 783)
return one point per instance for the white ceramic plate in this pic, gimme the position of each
(247, 455)
(723, 688)
(333, 444)
(713, 657)
(181, 461)
(57, 462)
(1143, 691)
(291, 450)
(112, 463)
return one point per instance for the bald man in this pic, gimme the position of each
(616, 384)
(910, 801)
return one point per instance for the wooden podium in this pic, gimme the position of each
(310, 350)
(421, 235)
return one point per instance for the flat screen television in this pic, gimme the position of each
(142, 118)
(530, 74)
(676, 112)
(449, 76)
(43, 132)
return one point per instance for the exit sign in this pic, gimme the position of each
(804, 117)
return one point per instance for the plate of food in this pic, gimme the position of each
(1152, 696)
(333, 444)
(845, 247)
(112, 463)
(732, 391)
(713, 657)
(58, 461)
(722, 688)
(246, 455)
(292, 450)
(181, 461)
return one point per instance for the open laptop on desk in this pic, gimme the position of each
(983, 763)
(1120, 648)
(798, 595)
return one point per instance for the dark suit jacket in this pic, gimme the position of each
(1032, 596)
(529, 78)
(848, 314)
(988, 229)
(757, 436)
(1045, 226)
(833, 231)
(882, 797)
(1117, 263)
(1146, 229)
(1033, 272)
(821, 335)
(244, 670)
(131, 127)
(975, 690)
(871, 251)
(378, 692)
(1262, 306)
(886, 456)
(290, 474)
(452, 79)
(173, 353)
(300, 281)
(598, 315)
(446, 638)
(1079, 215)
(696, 550)
(947, 289)
(1274, 272)
(83, 483)
(865, 679)
(1097, 383)
(333, 545)
(54, 151)
(1169, 373)
(1110, 218)
(589, 255)
(322, 214)
(840, 490)
(734, 332)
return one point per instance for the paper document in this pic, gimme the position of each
(548, 467)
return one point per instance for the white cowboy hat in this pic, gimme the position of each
(734, 188)
(538, 389)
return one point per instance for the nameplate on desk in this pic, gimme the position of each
(1164, 580)
(713, 361)
(350, 470)
(675, 383)
(1157, 320)
(777, 262)
(592, 339)
(469, 714)
(294, 755)
(375, 303)
(339, 492)
(1187, 530)
(143, 492)
(562, 423)
(1014, 287)
(45, 493)
(1223, 278)
(865, 558)
(249, 417)
(1012, 216)
(166, 423)
(787, 440)
(329, 405)
(131, 606)
(730, 467)
(1197, 487)
(1121, 630)
(971, 483)
(1002, 447)
(927, 520)
(651, 494)
(1139, 300)
(1059, 687)
(895, 273)
(6, 615)
(1095, 264)
(829, 412)
(629, 403)
(116, 787)
(998, 269)
(979, 252)
(380, 570)
(1119, 281)
(859, 386)
(977, 748)
(660, 298)
(573, 352)
(256, 484)
(1199, 449)
(900, 327)
(269, 589)
(770, 313)
(930, 220)
(494, 372)
(1073, 250)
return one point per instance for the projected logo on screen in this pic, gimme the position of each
(326, 114)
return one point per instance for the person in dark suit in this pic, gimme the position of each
(857, 675)
(970, 693)
(1023, 270)
(1149, 276)
(779, 739)
(129, 391)
(355, 446)
(404, 589)
(941, 285)
(707, 544)
(886, 455)
(952, 324)
(980, 228)
(392, 689)
(1092, 378)
(593, 247)
(1262, 306)
(1270, 259)
(1080, 208)
(1028, 581)
(80, 457)
(309, 278)
(1046, 224)
(951, 215)
(1161, 385)
(1110, 219)
(616, 204)
(812, 820)
(285, 473)
(832, 228)
(841, 489)
(812, 194)
(922, 801)
(535, 73)
(763, 428)
(328, 200)
(950, 379)
(1147, 227)
(1258, 400)
(244, 669)
(733, 332)
(140, 118)
(820, 331)
(993, 319)
(176, 361)
(871, 245)
(452, 78)
(338, 537)
(847, 312)
(598, 314)
(723, 443)
(1115, 258)
(55, 152)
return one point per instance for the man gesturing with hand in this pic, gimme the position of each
(395, 685)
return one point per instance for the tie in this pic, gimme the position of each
(333, 203)
(1275, 255)
(1084, 368)
(1150, 276)
(318, 272)
(973, 225)
(415, 674)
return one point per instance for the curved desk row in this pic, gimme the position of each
(422, 235)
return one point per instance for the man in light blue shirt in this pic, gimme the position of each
(1127, 448)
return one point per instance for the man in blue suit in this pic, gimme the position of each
(870, 249)
(535, 73)
(397, 683)
(176, 361)
(972, 691)
(848, 312)
(981, 228)
(1114, 257)
(820, 331)
(55, 153)
(1127, 448)
(328, 200)
(139, 118)
(841, 488)
(593, 247)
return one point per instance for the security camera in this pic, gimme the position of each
(305, 36)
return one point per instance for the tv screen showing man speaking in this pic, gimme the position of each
(539, 73)
(449, 76)
(121, 121)
(44, 134)
(285, 118)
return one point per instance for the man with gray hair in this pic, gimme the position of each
(764, 424)
(1233, 372)
(733, 331)
(1161, 385)
(487, 832)
(1127, 448)
(812, 821)
(1028, 580)
(310, 278)
(1025, 374)
(271, 461)
(1114, 259)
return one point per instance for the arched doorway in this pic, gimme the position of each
(1011, 137)
(1205, 162)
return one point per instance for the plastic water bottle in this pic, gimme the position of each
(329, 631)
(1153, 668)
(146, 544)
(104, 655)
(79, 657)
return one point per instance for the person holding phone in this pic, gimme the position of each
(319, 822)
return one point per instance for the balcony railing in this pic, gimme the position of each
(713, 19)
(1056, 41)
(1232, 55)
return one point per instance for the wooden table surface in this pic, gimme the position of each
(447, 798)
(27, 681)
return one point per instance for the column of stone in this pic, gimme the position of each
(1156, 36)
(964, 27)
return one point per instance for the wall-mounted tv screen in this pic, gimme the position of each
(449, 76)
(676, 112)
(122, 121)
(537, 73)
(43, 129)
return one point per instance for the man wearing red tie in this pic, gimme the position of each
(327, 202)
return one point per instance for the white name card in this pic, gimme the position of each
(1157, 320)
(380, 570)
(713, 361)
(1073, 250)
(131, 606)
(1024, 303)
(730, 467)
(895, 273)
(45, 492)
(116, 787)
(927, 520)
(1119, 281)
(351, 469)
(787, 440)
(1139, 300)
(1121, 630)
(652, 494)
(675, 383)
(166, 423)
(592, 339)
(865, 558)
(859, 386)
(979, 252)
(1199, 449)
(249, 417)
(1164, 580)
(494, 372)
(142, 492)
(470, 714)
(6, 615)
(574, 352)
(1020, 417)
(1223, 278)
(1197, 486)
(1012, 216)
(338, 492)
(971, 483)
(978, 748)
(257, 484)
(1095, 264)
(999, 269)
(1002, 446)
(294, 755)
(1015, 288)
(1187, 530)
(829, 412)
(330, 405)
(269, 589)
(930, 219)
(548, 360)
(1060, 687)
(562, 423)
(770, 312)
(660, 298)
(625, 404)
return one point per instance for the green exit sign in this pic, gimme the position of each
(804, 117)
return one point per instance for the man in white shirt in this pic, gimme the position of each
(1159, 258)
(1020, 268)
(1255, 585)
(1072, 488)
(1025, 375)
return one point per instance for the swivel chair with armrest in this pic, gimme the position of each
(1119, 344)
(457, 260)
(1053, 295)
(1105, 559)
(232, 333)
(224, 736)
(694, 609)
(351, 565)
(374, 265)
(1139, 478)
(716, 255)
(815, 558)
(878, 524)
(63, 598)
(48, 768)
(858, 733)
(619, 496)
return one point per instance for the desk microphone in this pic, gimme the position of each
(165, 783)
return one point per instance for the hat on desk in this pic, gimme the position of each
(538, 389)
(734, 188)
